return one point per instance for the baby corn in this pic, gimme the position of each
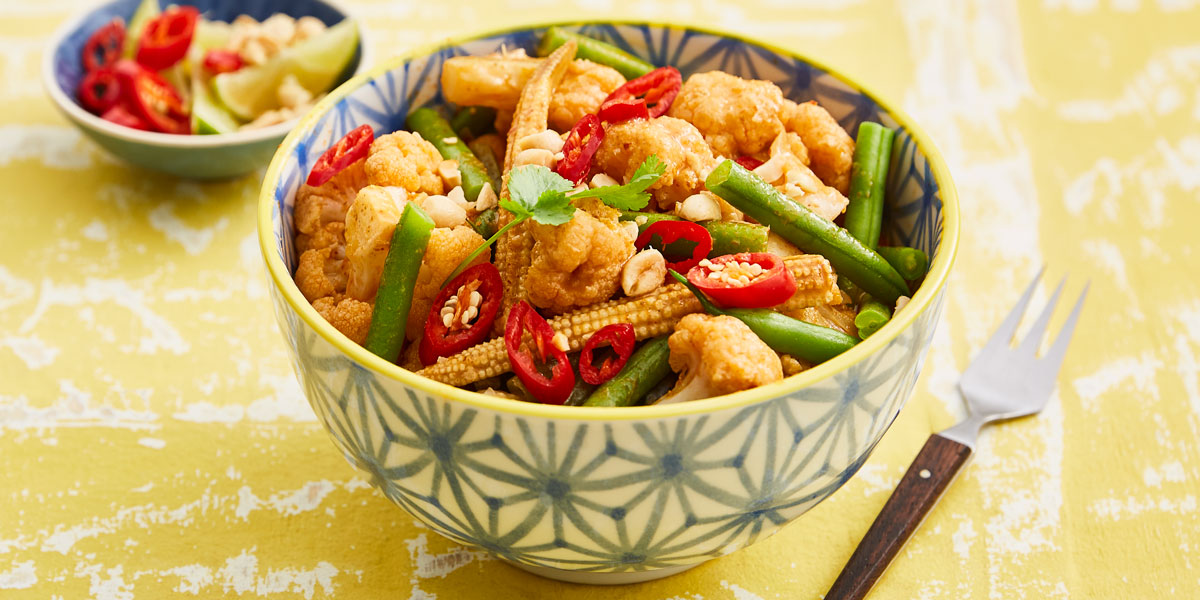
(653, 314)
(514, 247)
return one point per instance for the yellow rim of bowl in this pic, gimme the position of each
(934, 282)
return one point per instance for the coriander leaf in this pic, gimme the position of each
(517, 209)
(648, 172)
(553, 208)
(632, 195)
(527, 184)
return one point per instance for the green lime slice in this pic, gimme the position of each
(208, 116)
(208, 35)
(147, 10)
(316, 63)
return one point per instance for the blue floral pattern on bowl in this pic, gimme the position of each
(566, 496)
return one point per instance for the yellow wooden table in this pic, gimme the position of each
(154, 443)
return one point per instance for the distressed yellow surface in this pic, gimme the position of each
(153, 442)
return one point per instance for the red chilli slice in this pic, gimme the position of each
(582, 143)
(347, 151)
(166, 38)
(100, 90)
(554, 389)
(657, 89)
(103, 48)
(772, 287)
(149, 97)
(621, 338)
(673, 231)
(444, 340)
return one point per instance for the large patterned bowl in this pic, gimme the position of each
(620, 494)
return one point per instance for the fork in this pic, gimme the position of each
(1001, 383)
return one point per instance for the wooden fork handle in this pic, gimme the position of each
(927, 477)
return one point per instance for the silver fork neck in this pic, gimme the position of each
(966, 432)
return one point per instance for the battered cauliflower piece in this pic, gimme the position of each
(738, 117)
(804, 187)
(582, 90)
(679, 145)
(718, 355)
(791, 144)
(320, 212)
(349, 316)
(579, 262)
(787, 171)
(447, 247)
(369, 225)
(406, 160)
(321, 272)
(831, 148)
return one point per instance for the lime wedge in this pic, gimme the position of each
(208, 35)
(316, 63)
(209, 117)
(147, 10)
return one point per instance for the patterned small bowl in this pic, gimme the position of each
(192, 156)
(615, 495)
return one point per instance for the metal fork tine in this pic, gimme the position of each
(1054, 357)
(1031, 342)
(1003, 335)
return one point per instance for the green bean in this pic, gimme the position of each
(646, 367)
(911, 263)
(582, 390)
(868, 176)
(729, 237)
(782, 333)
(596, 51)
(871, 316)
(646, 219)
(437, 131)
(855, 293)
(660, 389)
(473, 121)
(491, 164)
(809, 232)
(385, 336)
(485, 222)
(518, 389)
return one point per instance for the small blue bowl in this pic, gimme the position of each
(192, 156)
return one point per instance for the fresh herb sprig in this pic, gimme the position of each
(535, 192)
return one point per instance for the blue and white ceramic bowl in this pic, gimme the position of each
(192, 156)
(612, 495)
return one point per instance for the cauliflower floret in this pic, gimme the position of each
(349, 316)
(320, 212)
(321, 272)
(681, 148)
(831, 148)
(369, 226)
(579, 262)
(447, 247)
(804, 187)
(787, 171)
(717, 355)
(406, 160)
(584, 86)
(791, 144)
(736, 116)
